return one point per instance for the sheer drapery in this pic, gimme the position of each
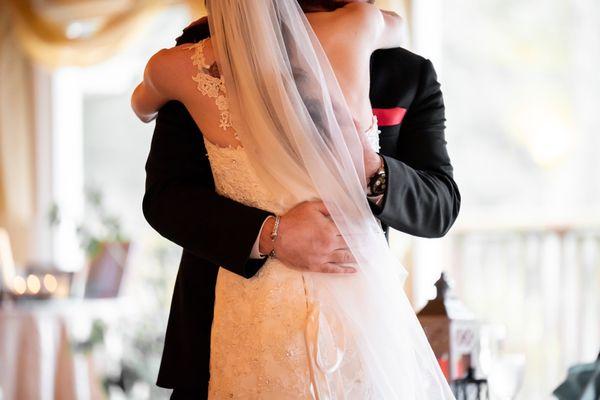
(17, 188)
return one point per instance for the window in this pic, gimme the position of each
(520, 86)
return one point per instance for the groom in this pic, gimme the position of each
(411, 190)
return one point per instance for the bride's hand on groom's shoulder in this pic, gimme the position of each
(308, 240)
(371, 158)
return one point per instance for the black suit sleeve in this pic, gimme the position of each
(180, 201)
(422, 198)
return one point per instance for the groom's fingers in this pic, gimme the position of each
(343, 256)
(337, 243)
(329, 268)
(320, 206)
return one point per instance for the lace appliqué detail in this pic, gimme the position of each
(258, 349)
(235, 178)
(211, 85)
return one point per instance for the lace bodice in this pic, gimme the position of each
(258, 344)
(235, 178)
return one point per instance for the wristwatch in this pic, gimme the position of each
(378, 182)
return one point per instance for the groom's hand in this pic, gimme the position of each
(308, 240)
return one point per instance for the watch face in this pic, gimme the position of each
(378, 184)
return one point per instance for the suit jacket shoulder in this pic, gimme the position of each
(399, 72)
(399, 55)
(194, 32)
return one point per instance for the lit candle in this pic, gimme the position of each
(50, 283)
(33, 284)
(19, 285)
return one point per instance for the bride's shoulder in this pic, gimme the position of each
(168, 65)
(359, 12)
(176, 54)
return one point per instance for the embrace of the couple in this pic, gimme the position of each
(290, 134)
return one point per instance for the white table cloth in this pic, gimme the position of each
(37, 361)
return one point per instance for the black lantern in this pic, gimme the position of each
(452, 332)
(470, 387)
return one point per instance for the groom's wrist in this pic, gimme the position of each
(377, 180)
(373, 164)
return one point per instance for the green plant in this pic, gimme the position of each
(96, 338)
(99, 226)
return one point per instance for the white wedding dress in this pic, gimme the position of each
(258, 340)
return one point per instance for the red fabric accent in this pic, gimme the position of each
(389, 116)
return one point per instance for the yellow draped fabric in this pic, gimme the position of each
(82, 32)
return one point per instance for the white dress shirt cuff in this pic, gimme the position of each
(255, 253)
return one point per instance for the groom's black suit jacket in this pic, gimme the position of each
(181, 203)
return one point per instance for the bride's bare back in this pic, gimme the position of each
(348, 35)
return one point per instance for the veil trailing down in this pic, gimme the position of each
(362, 336)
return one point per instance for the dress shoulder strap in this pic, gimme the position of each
(198, 55)
(209, 85)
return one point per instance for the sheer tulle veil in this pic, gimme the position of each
(298, 132)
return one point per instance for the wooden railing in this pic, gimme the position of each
(543, 285)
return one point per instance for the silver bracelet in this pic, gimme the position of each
(274, 235)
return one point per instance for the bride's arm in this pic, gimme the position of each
(381, 29)
(391, 30)
(157, 87)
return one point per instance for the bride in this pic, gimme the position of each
(282, 101)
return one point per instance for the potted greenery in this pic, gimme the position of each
(106, 247)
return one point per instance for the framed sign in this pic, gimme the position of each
(106, 271)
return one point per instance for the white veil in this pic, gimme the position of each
(296, 127)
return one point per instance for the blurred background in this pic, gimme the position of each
(86, 284)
